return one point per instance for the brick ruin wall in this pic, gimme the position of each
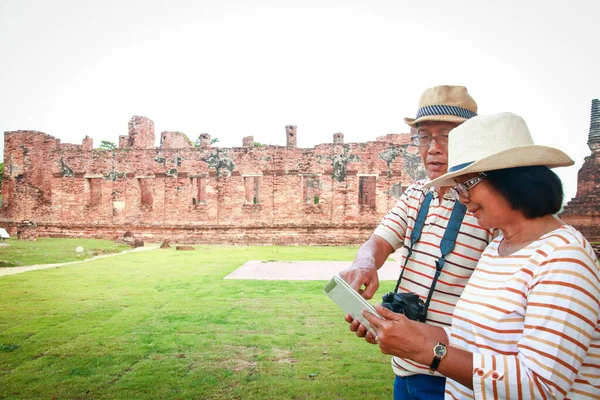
(583, 211)
(332, 194)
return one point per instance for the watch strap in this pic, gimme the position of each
(436, 359)
(434, 364)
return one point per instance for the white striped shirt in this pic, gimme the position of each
(531, 320)
(472, 239)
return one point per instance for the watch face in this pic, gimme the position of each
(440, 351)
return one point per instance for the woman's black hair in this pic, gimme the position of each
(536, 191)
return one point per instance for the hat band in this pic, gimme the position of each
(460, 166)
(445, 110)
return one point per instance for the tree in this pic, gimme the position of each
(106, 145)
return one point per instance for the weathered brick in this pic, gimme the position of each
(330, 194)
(583, 211)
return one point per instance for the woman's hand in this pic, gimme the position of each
(395, 334)
(398, 336)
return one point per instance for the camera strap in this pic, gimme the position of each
(446, 245)
(416, 232)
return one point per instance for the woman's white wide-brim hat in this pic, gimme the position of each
(498, 141)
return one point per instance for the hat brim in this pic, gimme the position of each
(437, 118)
(520, 156)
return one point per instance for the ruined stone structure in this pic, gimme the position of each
(583, 211)
(334, 193)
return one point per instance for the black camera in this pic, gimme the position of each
(409, 304)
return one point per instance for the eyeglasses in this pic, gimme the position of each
(462, 189)
(425, 140)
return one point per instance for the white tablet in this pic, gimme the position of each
(349, 300)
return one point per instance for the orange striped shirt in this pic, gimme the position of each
(532, 322)
(472, 239)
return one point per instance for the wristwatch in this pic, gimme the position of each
(439, 352)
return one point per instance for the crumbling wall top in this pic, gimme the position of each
(248, 141)
(175, 140)
(395, 138)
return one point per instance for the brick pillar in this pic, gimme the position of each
(141, 132)
(338, 138)
(248, 141)
(204, 141)
(123, 141)
(87, 143)
(291, 137)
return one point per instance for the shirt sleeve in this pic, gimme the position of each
(448, 331)
(393, 226)
(561, 317)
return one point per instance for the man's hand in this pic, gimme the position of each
(360, 330)
(363, 271)
(358, 275)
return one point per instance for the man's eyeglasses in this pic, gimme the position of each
(425, 140)
(462, 189)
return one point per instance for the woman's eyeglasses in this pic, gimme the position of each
(462, 189)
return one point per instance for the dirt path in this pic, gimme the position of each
(17, 270)
(303, 270)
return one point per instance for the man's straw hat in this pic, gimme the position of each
(446, 104)
(491, 142)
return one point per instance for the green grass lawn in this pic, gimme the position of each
(20, 253)
(164, 324)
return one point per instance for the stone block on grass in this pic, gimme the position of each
(185, 248)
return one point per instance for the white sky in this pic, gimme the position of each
(72, 68)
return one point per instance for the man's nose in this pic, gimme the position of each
(435, 147)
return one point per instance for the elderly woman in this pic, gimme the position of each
(527, 324)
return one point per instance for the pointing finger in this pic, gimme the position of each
(373, 319)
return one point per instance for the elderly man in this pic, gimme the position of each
(441, 243)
